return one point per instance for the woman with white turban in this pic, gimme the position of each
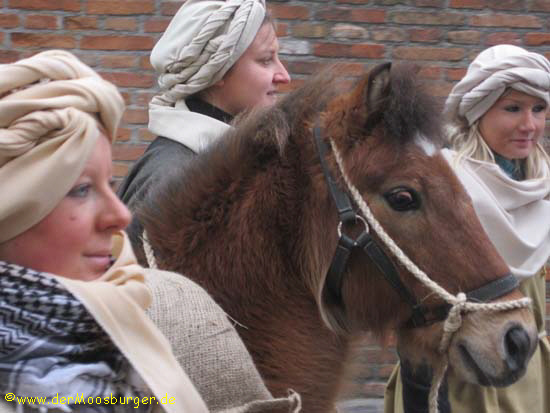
(73, 324)
(215, 60)
(498, 113)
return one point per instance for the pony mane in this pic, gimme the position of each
(409, 110)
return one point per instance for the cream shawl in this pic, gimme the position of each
(117, 301)
(515, 214)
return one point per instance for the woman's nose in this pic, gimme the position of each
(529, 122)
(281, 74)
(116, 215)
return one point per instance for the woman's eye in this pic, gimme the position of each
(80, 191)
(512, 108)
(539, 108)
(403, 199)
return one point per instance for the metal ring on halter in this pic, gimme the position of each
(357, 217)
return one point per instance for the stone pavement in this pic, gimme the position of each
(361, 406)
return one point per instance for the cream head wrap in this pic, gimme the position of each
(203, 40)
(491, 72)
(51, 105)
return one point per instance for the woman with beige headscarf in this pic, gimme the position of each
(497, 119)
(215, 60)
(73, 324)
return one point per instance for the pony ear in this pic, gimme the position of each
(378, 86)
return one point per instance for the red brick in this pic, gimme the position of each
(121, 23)
(430, 3)
(456, 74)
(368, 16)
(143, 98)
(311, 30)
(40, 22)
(120, 6)
(425, 35)
(505, 20)
(283, 11)
(124, 79)
(120, 170)
(468, 4)
(430, 72)
(372, 51)
(127, 152)
(464, 36)
(304, 67)
(66, 5)
(155, 25)
(503, 38)
(170, 8)
(8, 56)
(117, 42)
(8, 21)
(33, 40)
(537, 39)
(135, 116)
(389, 35)
(428, 18)
(429, 53)
(145, 63)
(281, 29)
(349, 31)
(352, 15)
(439, 89)
(119, 61)
(539, 5)
(127, 98)
(80, 23)
(123, 134)
(146, 135)
(506, 4)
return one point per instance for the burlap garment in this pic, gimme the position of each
(209, 349)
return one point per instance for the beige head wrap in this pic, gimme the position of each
(491, 72)
(203, 40)
(50, 105)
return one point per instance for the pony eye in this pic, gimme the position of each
(403, 199)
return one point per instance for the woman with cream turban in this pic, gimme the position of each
(215, 60)
(498, 113)
(73, 324)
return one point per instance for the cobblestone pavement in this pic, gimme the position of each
(361, 406)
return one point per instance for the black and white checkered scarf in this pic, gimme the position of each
(50, 346)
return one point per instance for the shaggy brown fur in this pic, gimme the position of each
(252, 221)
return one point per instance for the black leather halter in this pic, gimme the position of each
(421, 315)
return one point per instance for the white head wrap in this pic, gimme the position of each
(51, 105)
(203, 40)
(491, 72)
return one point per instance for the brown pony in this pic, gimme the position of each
(253, 222)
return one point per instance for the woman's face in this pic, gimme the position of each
(253, 80)
(74, 240)
(514, 124)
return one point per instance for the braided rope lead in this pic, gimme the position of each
(148, 250)
(458, 303)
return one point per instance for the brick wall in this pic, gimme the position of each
(115, 37)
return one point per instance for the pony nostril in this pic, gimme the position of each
(517, 345)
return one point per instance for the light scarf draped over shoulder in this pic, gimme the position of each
(515, 214)
(117, 301)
